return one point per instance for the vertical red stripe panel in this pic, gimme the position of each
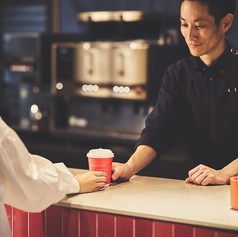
(163, 229)
(20, 223)
(181, 230)
(70, 223)
(87, 226)
(105, 225)
(58, 221)
(9, 211)
(203, 232)
(143, 228)
(226, 234)
(124, 226)
(53, 221)
(36, 224)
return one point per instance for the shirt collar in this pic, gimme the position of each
(224, 59)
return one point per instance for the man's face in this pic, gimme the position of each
(203, 37)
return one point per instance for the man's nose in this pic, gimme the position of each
(191, 33)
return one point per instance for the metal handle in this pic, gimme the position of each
(90, 64)
(121, 71)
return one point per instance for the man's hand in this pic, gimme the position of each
(91, 181)
(204, 175)
(138, 160)
(120, 171)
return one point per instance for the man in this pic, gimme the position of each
(197, 99)
(32, 183)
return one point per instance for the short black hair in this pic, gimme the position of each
(217, 8)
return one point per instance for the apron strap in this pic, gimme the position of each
(232, 90)
(190, 79)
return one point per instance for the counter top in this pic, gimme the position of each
(161, 199)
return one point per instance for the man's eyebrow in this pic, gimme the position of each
(196, 20)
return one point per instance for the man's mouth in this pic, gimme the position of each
(191, 45)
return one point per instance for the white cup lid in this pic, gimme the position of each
(100, 153)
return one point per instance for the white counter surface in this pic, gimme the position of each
(162, 199)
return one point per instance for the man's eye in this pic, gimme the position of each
(184, 25)
(199, 27)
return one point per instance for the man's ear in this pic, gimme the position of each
(227, 21)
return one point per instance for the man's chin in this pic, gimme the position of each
(195, 53)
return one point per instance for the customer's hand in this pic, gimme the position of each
(120, 172)
(91, 181)
(204, 175)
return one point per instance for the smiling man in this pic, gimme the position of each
(198, 100)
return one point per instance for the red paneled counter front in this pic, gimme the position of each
(143, 207)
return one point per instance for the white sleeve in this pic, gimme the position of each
(30, 182)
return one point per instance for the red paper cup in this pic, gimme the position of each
(234, 192)
(101, 160)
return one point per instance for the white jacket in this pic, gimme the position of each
(28, 182)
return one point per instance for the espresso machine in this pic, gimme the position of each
(101, 69)
(105, 90)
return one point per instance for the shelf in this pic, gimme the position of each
(117, 16)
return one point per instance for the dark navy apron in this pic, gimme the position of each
(210, 126)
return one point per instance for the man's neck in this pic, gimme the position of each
(213, 57)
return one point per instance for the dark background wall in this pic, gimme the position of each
(39, 15)
(70, 8)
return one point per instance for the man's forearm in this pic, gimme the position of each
(141, 158)
(231, 169)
